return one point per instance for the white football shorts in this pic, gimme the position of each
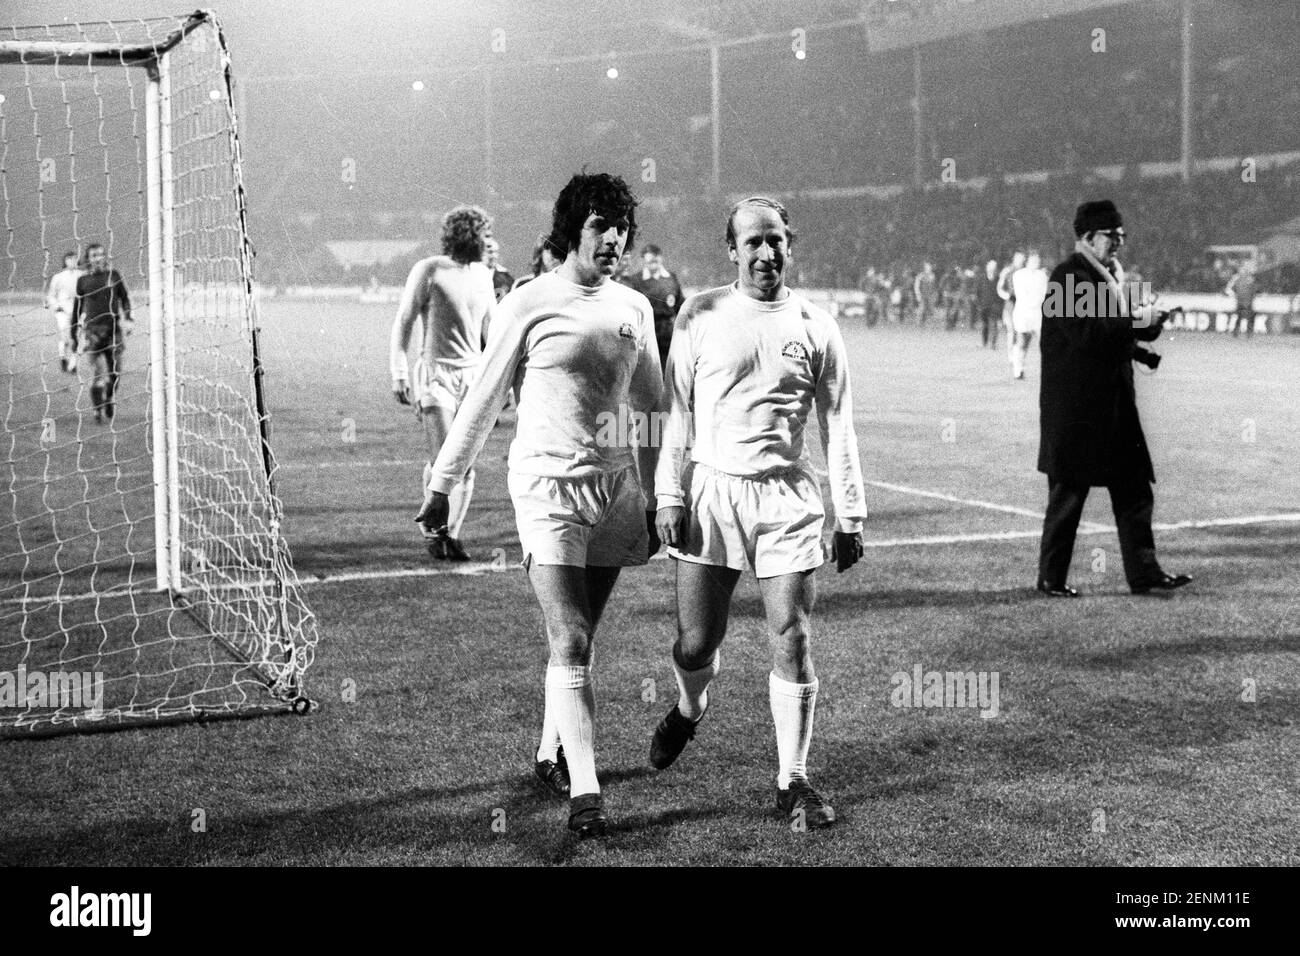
(597, 520)
(772, 524)
(440, 384)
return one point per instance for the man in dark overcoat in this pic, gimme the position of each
(1090, 432)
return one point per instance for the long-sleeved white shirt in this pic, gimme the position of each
(584, 363)
(1030, 288)
(742, 379)
(63, 290)
(443, 306)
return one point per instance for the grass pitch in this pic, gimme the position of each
(1157, 730)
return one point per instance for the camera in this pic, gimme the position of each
(1146, 357)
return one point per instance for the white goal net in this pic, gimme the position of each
(143, 571)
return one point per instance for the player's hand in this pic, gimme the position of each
(670, 525)
(846, 549)
(128, 325)
(402, 391)
(433, 515)
(655, 542)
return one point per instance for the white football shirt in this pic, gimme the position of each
(444, 304)
(743, 377)
(583, 361)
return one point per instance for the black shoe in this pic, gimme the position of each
(446, 548)
(554, 774)
(670, 738)
(804, 804)
(587, 816)
(1057, 590)
(1162, 582)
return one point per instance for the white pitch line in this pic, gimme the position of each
(953, 539)
(319, 465)
(973, 502)
(1285, 518)
(486, 567)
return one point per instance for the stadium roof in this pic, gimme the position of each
(619, 25)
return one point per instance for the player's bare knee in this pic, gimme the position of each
(569, 638)
(694, 653)
(570, 647)
(792, 653)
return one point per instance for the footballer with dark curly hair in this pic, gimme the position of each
(452, 294)
(580, 350)
(600, 193)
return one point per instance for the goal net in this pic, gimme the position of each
(144, 574)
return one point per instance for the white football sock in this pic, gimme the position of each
(458, 503)
(693, 686)
(550, 745)
(792, 715)
(571, 699)
(549, 749)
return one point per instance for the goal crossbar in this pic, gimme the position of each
(96, 52)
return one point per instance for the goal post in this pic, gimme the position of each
(144, 572)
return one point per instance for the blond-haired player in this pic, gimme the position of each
(449, 295)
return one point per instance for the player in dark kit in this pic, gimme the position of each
(664, 292)
(502, 280)
(101, 318)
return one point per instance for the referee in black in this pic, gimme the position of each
(664, 292)
(1090, 432)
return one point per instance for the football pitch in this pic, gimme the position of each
(1128, 730)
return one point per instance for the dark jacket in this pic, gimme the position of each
(665, 295)
(100, 304)
(986, 292)
(1089, 428)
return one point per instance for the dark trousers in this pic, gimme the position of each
(664, 343)
(106, 366)
(1132, 502)
(990, 322)
(1245, 320)
(924, 306)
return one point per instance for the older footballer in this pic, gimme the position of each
(736, 489)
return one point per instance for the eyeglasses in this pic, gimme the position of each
(1117, 236)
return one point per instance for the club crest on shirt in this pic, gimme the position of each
(795, 350)
(671, 300)
(627, 331)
